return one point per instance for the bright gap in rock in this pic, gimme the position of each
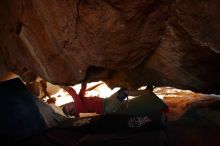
(178, 101)
(99, 89)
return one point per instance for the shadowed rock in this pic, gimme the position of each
(125, 43)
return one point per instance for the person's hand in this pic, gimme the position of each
(122, 94)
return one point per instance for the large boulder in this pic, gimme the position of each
(125, 43)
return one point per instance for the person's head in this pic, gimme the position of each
(69, 109)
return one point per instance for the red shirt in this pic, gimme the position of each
(86, 104)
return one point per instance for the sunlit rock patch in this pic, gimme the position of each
(179, 101)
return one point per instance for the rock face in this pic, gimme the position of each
(123, 42)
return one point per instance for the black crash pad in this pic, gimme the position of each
(19, 113)
(107, 130)
(142, 105)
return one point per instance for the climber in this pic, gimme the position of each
(98, 105)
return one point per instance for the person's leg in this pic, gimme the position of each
(113, 102)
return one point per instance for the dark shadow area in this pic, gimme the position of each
(20, 117)
(22, 124)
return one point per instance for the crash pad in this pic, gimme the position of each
(19, 114)
(142, 105)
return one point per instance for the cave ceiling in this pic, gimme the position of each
(126, 43)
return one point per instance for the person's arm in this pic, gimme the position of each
(83, 89)
(73, 93)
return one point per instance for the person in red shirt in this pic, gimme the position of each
(98, 105)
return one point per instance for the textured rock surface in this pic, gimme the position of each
(124, 42)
